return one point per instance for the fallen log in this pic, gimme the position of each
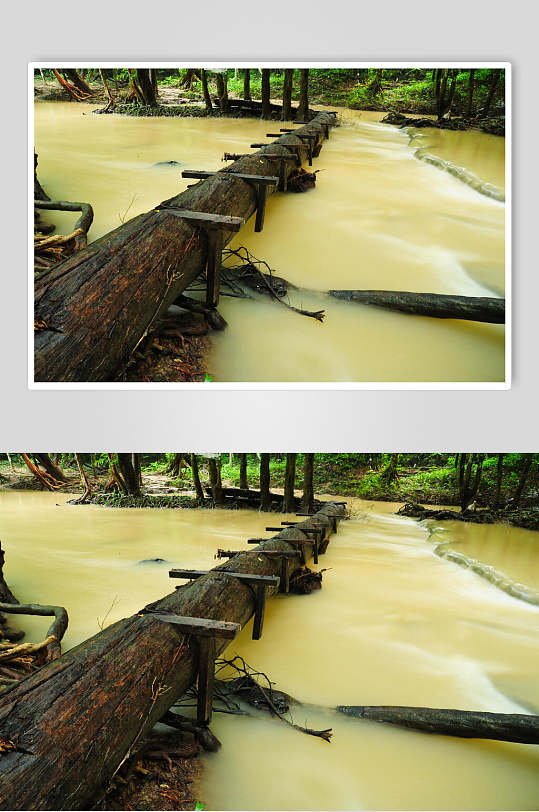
(435, 305)
(82, 225)
(73, 723)
(95, 307)
(508, 727)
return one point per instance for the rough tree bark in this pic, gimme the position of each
(468, 481)
(75, 720)
(434, 305)
(526, 465)
(303, 107)
(499, 476)
(205, 91)
(100, 302)
(214, 468)
(222, 92)
(129, 475)
(146, 86)
(243, 471)
(199, 490)
(289, 483)
(509, 727)
(469, 106)
(287, 95)
(308, 492)
(265, 94)
(265, 496)
(247, 84)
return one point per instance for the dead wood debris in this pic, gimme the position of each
(304, 581)
(17, 661)
(301, 180)
(245, 686)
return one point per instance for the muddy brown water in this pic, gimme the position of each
(379, 218)
(393, 624)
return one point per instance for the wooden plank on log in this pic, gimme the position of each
(267, 180)
(74, 720)
(434, 305)
(206, 219)
(200, 626)
(267, 580)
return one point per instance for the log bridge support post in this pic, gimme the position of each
(205, 631)
(259, 582)
(259, 183)
(302, 543)
(212, 225)
(311, 531)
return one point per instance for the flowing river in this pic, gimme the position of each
(393, 624)
(382, 216)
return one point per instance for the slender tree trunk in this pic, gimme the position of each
(10, 463)
(196, 478)
(492, 91)
(287, 95)
(265, 499)
(222, 92)
(289, 482)
(137, 467)
(107, 89)
(527, 464)
(247, 84)
(134, 91)
(128, 475)
(468, 480)
(469, 106)
(145, 83)
(303, 108)
(243, 471)
(214, 468)
(307, 501)
(266, 103)
(206, 92)
(153, 79)
(85, 482)
(43, 478)
(389, 474)
(499, 476)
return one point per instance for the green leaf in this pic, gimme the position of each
(207, 379)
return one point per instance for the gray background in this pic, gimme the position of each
(269, 420)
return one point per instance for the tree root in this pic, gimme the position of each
(55, 632)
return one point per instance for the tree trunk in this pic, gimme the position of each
(434, 305)
(146, 86)
(222, 92)
(53, 470)
(79, 83)
(77, 719)
(85, 482)
(107, 89)
(175, 465)
(265, 94)
(469, 106)
(99, 303)
(289, 482)
(508, 727)
(129, 475)
(155, 84)
(499, 476)
(493, 85)
(6, 595)
(247, 84)
(265, 496)
(287, 95)
(303, 108)
(243, 471)
(214, 467)
(468, 481)
(526, 465)
(308, 492)
(196, 478)
(389, 474)
(206, 92)
(134, 92)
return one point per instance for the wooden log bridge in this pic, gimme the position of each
(95, 307)
(70, 725)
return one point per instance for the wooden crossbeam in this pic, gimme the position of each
(283, 555)
(259, 182)
(213, 225)
(259, 582)
(205, 630)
